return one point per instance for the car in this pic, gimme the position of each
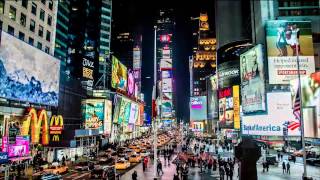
(144, 153)
(134, 158)
(314, 150)
(49, 176)
(272, 160)
(57, 169)
(129, 152)
(313, 161)
(105, 159)
(82, 166)
(122, 164)
(298, 153)
(137, 149)
(132, 146)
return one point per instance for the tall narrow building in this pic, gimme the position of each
(165, 57)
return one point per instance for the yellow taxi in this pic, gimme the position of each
(136, 149)
(134, 158)
(122, 164)
(57, 169)
(131, 146)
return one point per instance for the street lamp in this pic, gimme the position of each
(154, 94)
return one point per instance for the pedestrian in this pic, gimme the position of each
(185, 172)
(210, 163)
(134, 175)
(176, 177)
(159, 167)
(281, 157)
(294, 159)
(283, 167)
(231, 174)
(221, 173)
(263, 166)
(145, 163)
(227, 170)
(267, 166)
(288, 167)
(278, 156)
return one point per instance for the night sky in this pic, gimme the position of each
(140, 15)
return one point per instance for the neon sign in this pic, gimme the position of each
(56, 126)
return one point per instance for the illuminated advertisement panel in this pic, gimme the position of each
(117, 102)
(20, 148)
(165, 38)
(198, 108)
(252, 80)
(167, 85)
(229, 74)
(229, 108)
(284, 39)
(87, 73)
(134, 111)
(310, 89)
(27, 73)
(165, 64)
(130, 83)
(119, 75)
(124, 112)
(279, 113)
(166, 74)
(213, 103)
(166, 108)
(93, 114)
(166, 54)
(108, 115)
(167, 96)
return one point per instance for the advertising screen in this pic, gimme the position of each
(166, 54)
(166, 74)
(94, 114)
(198, 108)
(20, 148)
(272, 124)
(108, 121)
(130, 83)
(119, 75)
(167, 85)
(166, 108)
(167, 96)
(252, 80)
(136, 58)
(134, 111)
(166, 64)
(284, 39)
(213, 103)
(117, 104)
(229, 108)
(124, 112)
(229, 74)
(26, 73)
(310, 89)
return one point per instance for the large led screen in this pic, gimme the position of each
(117, 104)
(165, 64)
(213, 102)
(26, 73)
(198, 108)
(280, 112)
(167, 85)
(229, 74)
(94, 114)
(252, 80)
(134, 112)
(108, 115)
(229, 108)
(284, 39)
(166, 108)
(119, 75)
(124, 112)
(130, 83)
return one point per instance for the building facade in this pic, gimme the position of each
(31, 21)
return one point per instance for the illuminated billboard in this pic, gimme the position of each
(279, 108)
(166, 108)
(284, 39)
(165, 38)
(87, 73)
(26, 73)
(165, 64)
(229, 74)
(108, 117)
(93, 114)
(167, 96)
(198, 108)
(166, 74)
(117, 104)
(229, 108)
(166, 53)
(167, 85)
(310, 89)
(130, 83)
(124, 111)
(134, 112)
(119, 75)
(252, 80)
(20, 148)
(213, 103)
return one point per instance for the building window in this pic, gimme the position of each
(39, 45)
(12, 13)
(32, 25)
(23, 19)
(11, 30)
(25, 3)
(42, 14)
(43, 2)
(49, 20)
(34, 9)
(31, 41)
(40, 32)
(46, 49)
(50, 5)
(21, 36)
(48, 36)
(2, 6)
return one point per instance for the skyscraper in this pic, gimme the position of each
(31, 21)
(204, 57)
(165, 57)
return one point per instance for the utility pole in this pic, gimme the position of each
(155, 141)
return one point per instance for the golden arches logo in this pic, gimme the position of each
(36, 120)
(56, 124)
(55, 138)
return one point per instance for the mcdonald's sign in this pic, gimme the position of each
(55, 138)
(36, 121)
(56, 126)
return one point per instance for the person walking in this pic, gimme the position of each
(230, 174)
(227, 170)
(145, 163)
(283, 167)
(210, 163)
(134, 175)
(221, 173)
(159, 167)
(267, 166)
(288, 167)
(263, 166)
(176, 177)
